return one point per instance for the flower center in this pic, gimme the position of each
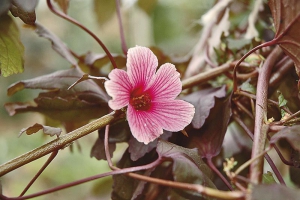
(140, 101)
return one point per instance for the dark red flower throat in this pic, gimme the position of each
(140, 99)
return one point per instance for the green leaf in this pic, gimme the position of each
(11, 48)
(274, 192)
(281, 100)
(46, 129)
(104, 10)
(248, 87)
(25, 10)
(268, 178)
(237, 44)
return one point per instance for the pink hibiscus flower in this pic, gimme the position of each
(150, 96)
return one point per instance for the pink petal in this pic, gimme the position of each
(166, 84)
(118, 87)
(142, 127)
(172, 115)
(141, 65)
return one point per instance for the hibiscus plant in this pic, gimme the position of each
(208, 112)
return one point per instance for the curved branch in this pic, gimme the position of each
(68, 18)
(58, 143)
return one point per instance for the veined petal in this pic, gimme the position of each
(141, 65)
(166, 84)
(172, 115)
(142, 126)
(118, 87)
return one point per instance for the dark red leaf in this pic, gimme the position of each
(61, 80)
(98, 150)
(204, 101)
(118, 132)
(187, 166)
(209, 138)
(138, 149)
(62, 109)
(25, 10)
(124, 187)
(46, 129)
(286, 15)
(291, 134)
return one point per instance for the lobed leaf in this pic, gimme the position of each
(25, 10)
(209, 138)
(138, 149)
(291, 134)
(273, 192)
(204, 101)
(11, 48)
(124, 186)
(187, 166)
(60, 81)
(46, 129)
(286, 15)
(69, 109)
(98, 150)
(118, 132)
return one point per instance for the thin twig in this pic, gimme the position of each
(49, 160)
(246, 164)
(59, 143)
(68, 18)
(123, 42)
(267, 157)
(203, 77)
(213, 167)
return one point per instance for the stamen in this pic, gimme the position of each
(140, 101)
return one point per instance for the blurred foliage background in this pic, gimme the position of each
(172, 26)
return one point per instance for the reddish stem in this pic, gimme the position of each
(267, 157)
(270, 43)
(124, 46)
(49, 160)
(213, 167)
(68, 18)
